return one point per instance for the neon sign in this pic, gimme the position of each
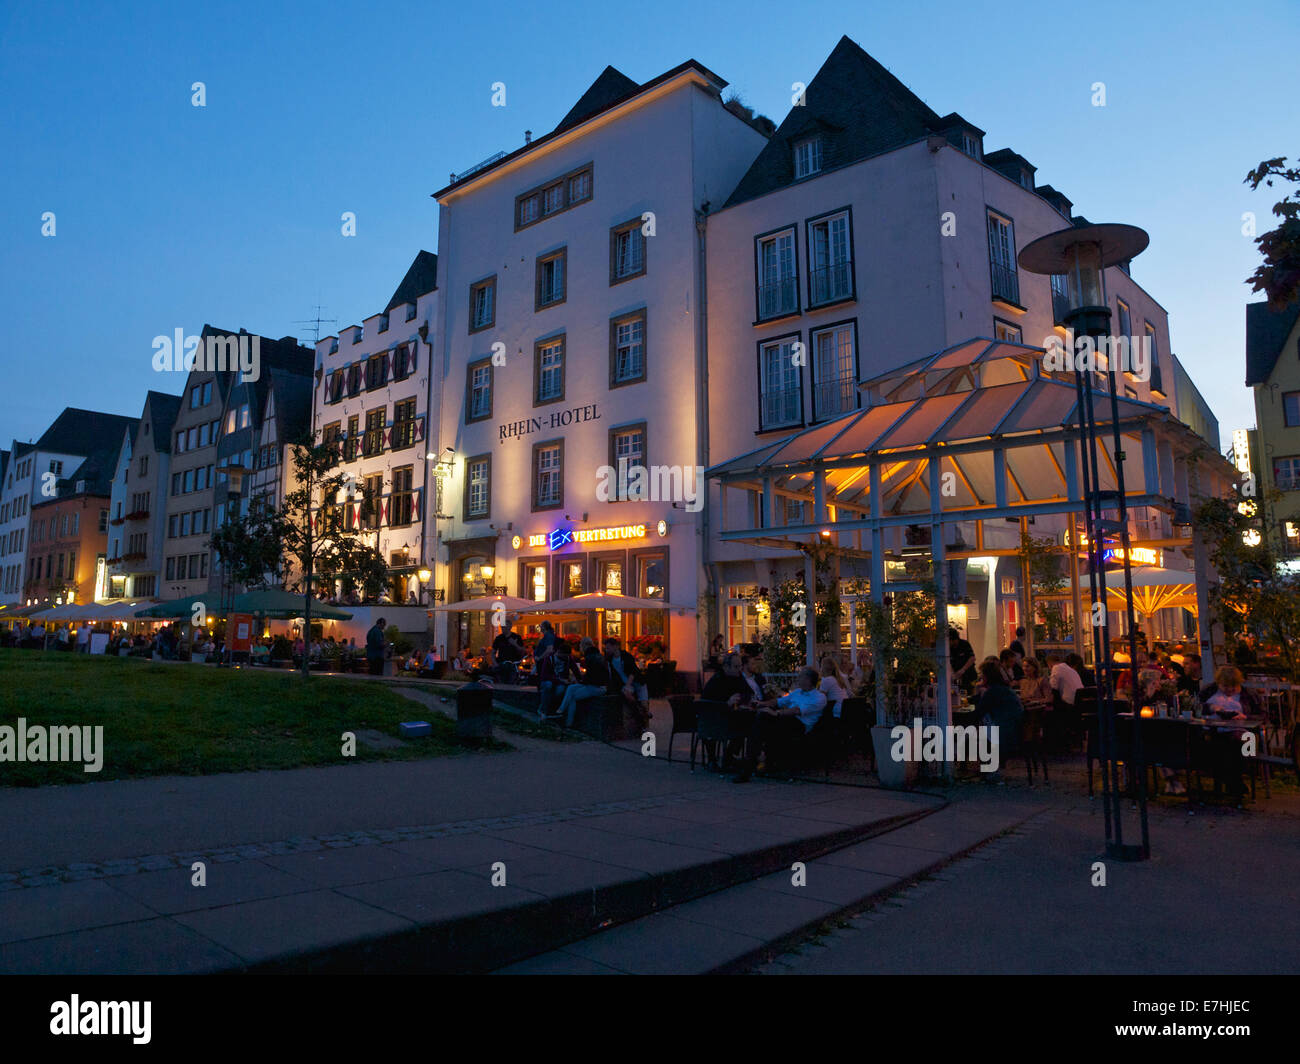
(558, 538)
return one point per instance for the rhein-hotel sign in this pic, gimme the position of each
(558, 419)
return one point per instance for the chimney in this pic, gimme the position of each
(528, 136)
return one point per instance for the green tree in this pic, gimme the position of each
(1279, 276)
(1252, 593)
(1041, 562)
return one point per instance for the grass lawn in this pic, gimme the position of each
(198, 720)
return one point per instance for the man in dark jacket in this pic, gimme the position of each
(375, 647)
(554, 674)
(628, 681)
(508, 650)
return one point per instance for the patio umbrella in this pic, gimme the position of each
(180, 608)
(484, 604)
(284, 606)
(1154, 589)
(598, 600)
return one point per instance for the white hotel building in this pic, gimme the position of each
(867, 228)
(576, 261)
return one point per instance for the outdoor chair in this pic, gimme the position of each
(1166, 743)
(716, 725)
(856, 718)
(1032, 747)
(684, 719)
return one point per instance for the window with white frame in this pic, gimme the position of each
(626, 251)
(1002, 259)
(548, 464)
(1007, 332)
(778, 276)
(835, 371)
(626, 451)
(830, 252)
(477, 475)
(550, 371)
(550, 279)
(480, 391)
(1286, 474)
(807, 157)
(627, 354)
(482, 304)
(782, 396)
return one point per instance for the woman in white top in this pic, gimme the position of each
(834, 684)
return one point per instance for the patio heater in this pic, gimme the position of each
(1082, 254)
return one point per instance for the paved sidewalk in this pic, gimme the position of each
(368, 866)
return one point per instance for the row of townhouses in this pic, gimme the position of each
(663, 281)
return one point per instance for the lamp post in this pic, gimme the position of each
(234, 488)
(1082, 254)
(424, 576)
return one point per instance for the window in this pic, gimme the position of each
(1286, 472)
(352, 445)
(207, 393)
(403, 424)
(354, 379)
(173, 521)
(626, 452)
(56, 468)
(548, 475)
(187, 481)
(548, 371)
(626, 251)
(403, 362)
(410, 312)
(180, 442)
(1291, 537)
(479, 391)
(780, 385)
(402, 504)
(144, 465)
(1002, 259)
(1060, 298)
(196, 394)
(835, 371)
(383, 322)
(482, 305)
(550, 279)
(1156, 380)
(374, 439)
(103, 520)
(376, 372)
(372, 489)
(358, 331)
(627, 349)
(579, 187)
(1005, 331)
(807, 157)
(1291, 408)
(478, 476)
(1125, 320)
(533, 584)
(171, 569)
(777, 276)
(795, 510)
(970, 144)
(831, 259)
(555, 196)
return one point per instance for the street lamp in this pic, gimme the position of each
(424, 575)
(1082, 255)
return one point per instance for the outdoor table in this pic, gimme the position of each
(1213, 732)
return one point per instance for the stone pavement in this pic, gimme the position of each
(382, 867)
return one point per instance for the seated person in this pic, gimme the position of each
(782, 726)
(554, 674)
(1034, 686)
(1227, 697)
(1000, 707)
(427, 664)
(595, 679)
(726, 685)
(627, 681)
(833, 684)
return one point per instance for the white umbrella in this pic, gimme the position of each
(484, 604)
(598, 600)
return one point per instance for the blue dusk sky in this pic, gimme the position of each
(169, 215)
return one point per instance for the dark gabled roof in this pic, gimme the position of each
(860, 108)
(284, 353)
(162, 410)
(1056, 198)
(98, 470)
(612, 86)
(293, 396)
(4, 463)
(952, 120)
(85, 432)
(1266, 333)
(420, 279)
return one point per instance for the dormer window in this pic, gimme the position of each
(807, 157)
(970, 145)
(1026, 180)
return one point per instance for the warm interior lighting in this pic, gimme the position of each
(1147, 711)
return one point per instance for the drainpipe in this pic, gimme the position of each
(430, 511)
(702, 403)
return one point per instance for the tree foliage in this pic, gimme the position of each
(1279, 276)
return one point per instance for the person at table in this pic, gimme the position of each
(1190, 680)
(595, 679)
(751, 671)
(1064, 680)
(782, 726)
(833, 684)
(1227, 697)
(961, 658)
(627, 681)
(555, 672)
(999, 706)
(546, 643)
(727, 684)
(1011, 666)
(508, 650)
(1034, 686)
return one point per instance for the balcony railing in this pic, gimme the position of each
(778, 298)
(834, 397)
(1006, 283)
(832, 283)
(477, 167)
(782, 407)
(1060, 306)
